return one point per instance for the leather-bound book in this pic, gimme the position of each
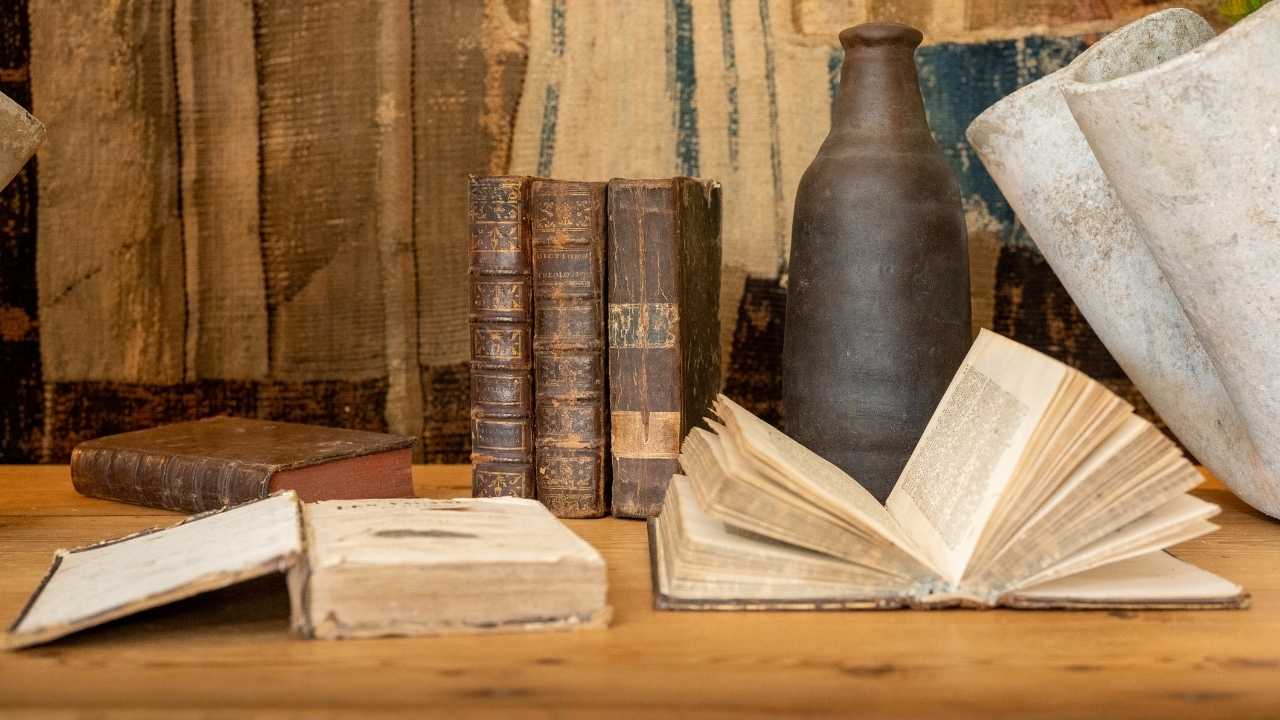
(208, 464)
(501, 338)
(664, 347)
(571, 439)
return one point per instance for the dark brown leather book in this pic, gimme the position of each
(208, 464)
(571, 439)
(664, 328)
(501, 338)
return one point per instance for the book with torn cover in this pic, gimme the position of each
(1033, 486)
(356, 568)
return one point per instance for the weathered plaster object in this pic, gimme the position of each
(1192, 147)
(20, 135)
(1042, 163)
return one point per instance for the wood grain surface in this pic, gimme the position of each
(229, 654)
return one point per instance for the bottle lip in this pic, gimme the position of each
(877, 34)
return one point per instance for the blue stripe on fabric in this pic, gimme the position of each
(680, 61)
(730, 58)
(557, 28)
(959, 81)
(834, 61)
(775, 143)
(547, 138)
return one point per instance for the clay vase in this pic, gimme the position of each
(1034, 150)
(20, 136)
(878, 289)
(1192, 147)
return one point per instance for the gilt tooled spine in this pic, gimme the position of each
(664, 369)
(571, 440)
(501, 288)
(172, 482)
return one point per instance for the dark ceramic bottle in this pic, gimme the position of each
(878, 292)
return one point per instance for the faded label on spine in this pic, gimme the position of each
(647, 326)
(645, 435)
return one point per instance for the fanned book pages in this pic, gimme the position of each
(356, 568)
(1033, 486)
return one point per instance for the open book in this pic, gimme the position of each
(356, 569)
(1032, 486)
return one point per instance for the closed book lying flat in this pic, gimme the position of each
(431, 567)
(1033, 486)
(207, 464)
(362, 568)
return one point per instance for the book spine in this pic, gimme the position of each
(664, 269)
(501, 282)
(171, 482)
(569, 347)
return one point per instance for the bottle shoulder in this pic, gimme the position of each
(852, 169)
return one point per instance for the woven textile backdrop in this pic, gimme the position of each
(257, 206)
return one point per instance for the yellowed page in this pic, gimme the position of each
(1176, 521)
(971, 448)
(807, 474)
(1157, 577)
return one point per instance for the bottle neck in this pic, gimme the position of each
(879, 95)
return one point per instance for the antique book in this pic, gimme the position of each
(206, 464)
(664, 329)
(571, 427)
(363, 568)
(501, 338)
(1033, 486)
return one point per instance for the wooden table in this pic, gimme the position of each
(228, 653)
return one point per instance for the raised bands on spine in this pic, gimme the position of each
(501, 288)
(569, 346)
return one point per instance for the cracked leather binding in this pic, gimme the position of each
(207, 464)
(501, 334)
(571, 435)
(664, 347)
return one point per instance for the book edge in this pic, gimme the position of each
(392, 442)
(14, 640)
(665, 602)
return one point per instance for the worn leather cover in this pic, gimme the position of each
(664, 349)
(571, 439)
(501, 335)
(207, 464)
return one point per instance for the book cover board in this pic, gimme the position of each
(216, 462)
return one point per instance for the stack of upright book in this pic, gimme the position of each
(594, 337)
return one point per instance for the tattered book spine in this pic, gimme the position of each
(501, 334)
(569, 346)
(183, 483)
(664, 359)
